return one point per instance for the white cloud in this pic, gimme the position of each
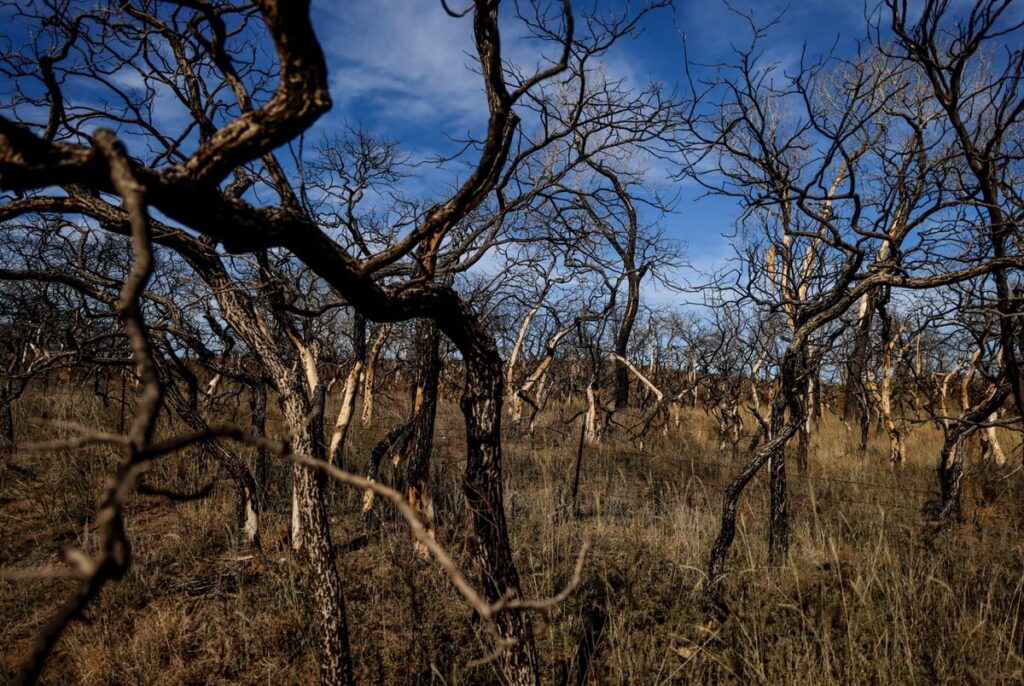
(400, 60)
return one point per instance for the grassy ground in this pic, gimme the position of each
(862, 599)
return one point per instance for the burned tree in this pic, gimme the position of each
(835, 166)
(206, 177)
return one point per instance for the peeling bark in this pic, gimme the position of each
(592, 430)
(348, 399)
(535, 377)
(883, 389)
(372, 362)
(991, 450)
(513, 358)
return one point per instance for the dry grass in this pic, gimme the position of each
(862, 599)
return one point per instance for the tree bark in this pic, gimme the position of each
(853, 407)
(305, 421)
(990, 448)
(371, 371)
(481, 405)
(6, 426)
(348, 399)
(593, 431)
(622, 336)
(302, 402)
(261, 457)
(772, 450)
(778, 518)
(394, 442)
(897, 452)
(421, 442)
(951, 459)
(579, 467)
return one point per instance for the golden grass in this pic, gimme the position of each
(862, 599)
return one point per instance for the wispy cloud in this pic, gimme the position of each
(400, 62)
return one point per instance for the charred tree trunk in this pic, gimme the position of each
(1007, 303)
(302, 404)
(864, 420)
(12, 390)
(481, 405)
(806, 400)
(778, 517)
(6, 425)
(261, 457)
(951, 459)
(623, 335)
(951, 471)
(627, 252)
(772, 450)
(897, 452)
(579, 467)
(803, 445)
(305, 421)
(421, 442)
(853, 407)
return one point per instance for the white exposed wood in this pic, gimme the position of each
(348, 402)
(643, 379)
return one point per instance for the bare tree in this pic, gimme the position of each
(979, 91)
(185, 176)
(798, 152)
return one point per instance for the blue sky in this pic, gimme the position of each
(404, 69)
(401, 67)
